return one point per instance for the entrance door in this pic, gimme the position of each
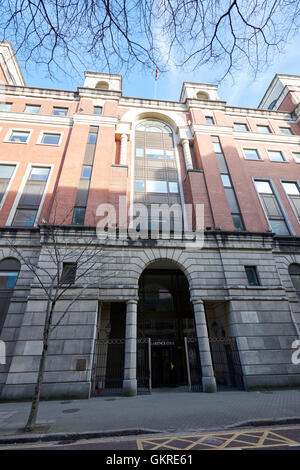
(164, 366)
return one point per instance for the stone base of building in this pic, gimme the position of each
(54, 391)
(257, 382)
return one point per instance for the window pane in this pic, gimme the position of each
(251, 154)
(139, 152)
(139, 185)
(5, 106)
(209, 120)
(60, 111)
(156, 186)
(6, 171)
(240, 127)
(279, 227)
(24, 217)
(92, 138)
(296, 156)
(173, 187)
(276, 156)
(8, 279)
(237, 221)
(39, 174)
(296, 281)
(51, 139)
(154, 153)
(86, 172)
(78, 215)
(286, 130)
(217, 147)
(19, 136)
(226, 181)
(263, 187)
(264, 129)
(32, 109)
(97, 110)
(251, 275)
(291, 188)
(68, 273)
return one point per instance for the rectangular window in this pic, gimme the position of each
(293, 193)
(97, 109)
(209, 120)
(24, 217)
(217, 147)
(276, 156)
(59, 111)
(252, 275)
(19, 136)
(241, 127)
(78, 216)
(226, 181)
(32, 109)
(173, 187)
(39, 174)
(86, 172)
(272, 208)
(251, 154)
(237, 221)
(156, 186)
(8, 279)
(50, 139)
(5, 106)
(291, 189)
(6, 172)
(139, 185)
(139, 152)
(92, 139)
(68, 274)
(296, 156)
(263, 129)
(286, 130)
(154, 153)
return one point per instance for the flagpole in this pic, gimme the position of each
(155, 83)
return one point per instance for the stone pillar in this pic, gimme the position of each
(187, 154)
(130, 382)
(123, 153)
(208, 378)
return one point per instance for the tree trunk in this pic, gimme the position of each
(37, 391)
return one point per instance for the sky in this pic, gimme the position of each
(242, 90)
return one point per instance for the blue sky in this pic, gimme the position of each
(244, 91)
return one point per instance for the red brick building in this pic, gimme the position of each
(64, 153)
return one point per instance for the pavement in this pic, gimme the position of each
(164, 411)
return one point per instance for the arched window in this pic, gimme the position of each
(9, 272)
(294, 270)
(102, 85)
(154, 126)
(201, 95)
(271, 106)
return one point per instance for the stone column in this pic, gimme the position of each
(187, 154)
(123, 153)
(208, 378)
(130, 382)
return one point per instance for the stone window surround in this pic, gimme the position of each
(21, 189)
(41, 135)
(285, 160)
(15, 129)
(17, 164)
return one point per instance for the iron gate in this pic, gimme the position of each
(143, 365)
(226, 362)
(108, 370)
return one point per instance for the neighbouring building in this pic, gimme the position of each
(161, 312)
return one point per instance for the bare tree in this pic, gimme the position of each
(153, 33)
(67, 269)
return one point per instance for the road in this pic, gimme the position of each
(276, 437)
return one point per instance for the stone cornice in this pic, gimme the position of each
(267, 138)
(95, 120)
(211, 129)
(39, 92)
(151, 103)
(98, 93)
(36, 119)
(263, 113)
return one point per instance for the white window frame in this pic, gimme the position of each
(294, 157)
(282, 181)
(282, 153)
(17, 164)
(252, 159)
(21, 189)
(41, 135)
(14, 129)
(32, 105)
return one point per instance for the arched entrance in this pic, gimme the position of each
(165, 315)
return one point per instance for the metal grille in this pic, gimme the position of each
(226, 362)
(193, 364)
(108, 366)
(143, 371)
